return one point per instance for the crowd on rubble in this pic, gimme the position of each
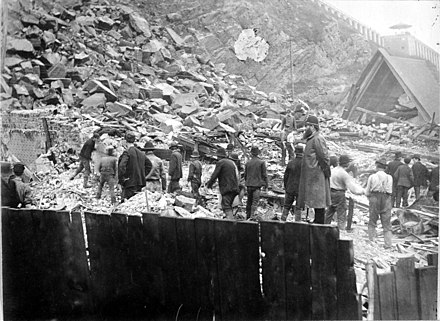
(313, 179)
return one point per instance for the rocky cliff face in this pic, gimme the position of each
(328, 56)
(325, 55)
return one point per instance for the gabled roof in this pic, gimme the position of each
(415, 76)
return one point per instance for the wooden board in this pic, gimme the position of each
(229, 282)
(346, 282)
(208, 283)
(432, 259)
(324, 248)
(248, 271)
(274, 289)
(297, 267)
(187, 262)
(154, 298)
(387, 296)
(406, 289)
(427, 290)
(101, 256)
(169, 265)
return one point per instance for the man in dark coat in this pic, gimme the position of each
(391, 169)
(85, 156)
(133, 167)
(255, 176)
(175, 168)
(433, 183)
(314, 186)
(420, 173)
(292, 176)
(226, 173)
(195, 174)
(405, 180)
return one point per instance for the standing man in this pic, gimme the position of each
(292, 176)
(20, 193)
(392, 167)
(107, 169)
(405, 180)
(195, 174)
(255, 176)
(85, 156)
(378, 190)
(420, 173)
(287, 125)
(156, 180)
(175, 168)
(314, 186)
(226, 173)
(340, 181)
(133, 167)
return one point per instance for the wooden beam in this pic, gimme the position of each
(383, 116)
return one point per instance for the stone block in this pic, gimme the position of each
(187, 203)
(139, 24)
(95, 100)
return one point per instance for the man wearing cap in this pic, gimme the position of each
(378, 190)
(85, 156)
(21, 193)
(314, 186)
(175, 168)
(292, 176)
(107, 168)
(133, 167)
(391, 169)
(195, 174)
(156, 180)
(225, 172)
(340, 181)
(287, 126)
(404, 178)
(229, 149)
(420, 173)
(255, 176)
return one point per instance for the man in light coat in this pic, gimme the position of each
(314, 186)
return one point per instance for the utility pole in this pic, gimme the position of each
(292, 66)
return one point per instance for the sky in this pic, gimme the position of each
(424, 16)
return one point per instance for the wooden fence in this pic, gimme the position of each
(155, 267)
(405, 293)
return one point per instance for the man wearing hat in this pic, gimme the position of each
(292, 176)
(314, 186)
(392, 167)
(225, 172)
(175, 168)
(378, 190)
(420, 173)
(340, 181)
(195, 174)
(20, 192)
(156, 180)
(107, 168)
(85, 156)
(404, 180)
(287, 126)
(133, 167)
(255, 176)
(229, 149)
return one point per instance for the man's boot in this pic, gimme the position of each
(285, 214)
(86, 180)
(388, 236)
(371, 233)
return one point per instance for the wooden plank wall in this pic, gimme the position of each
(406, 293)
(155, 267)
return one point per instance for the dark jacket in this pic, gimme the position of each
(255, 173)
(292, 175)
(87, 149)
(420, 174)
(434, 179)
(175, 169)
(226, 172)
(314, 187)
(195, 172)
(392, 167)
(404, 176)
(133, 166)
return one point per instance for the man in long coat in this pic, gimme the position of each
(133, 167)
(314, 186)
(255, 175)
(175, 168)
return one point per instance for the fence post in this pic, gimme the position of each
(373, 306)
